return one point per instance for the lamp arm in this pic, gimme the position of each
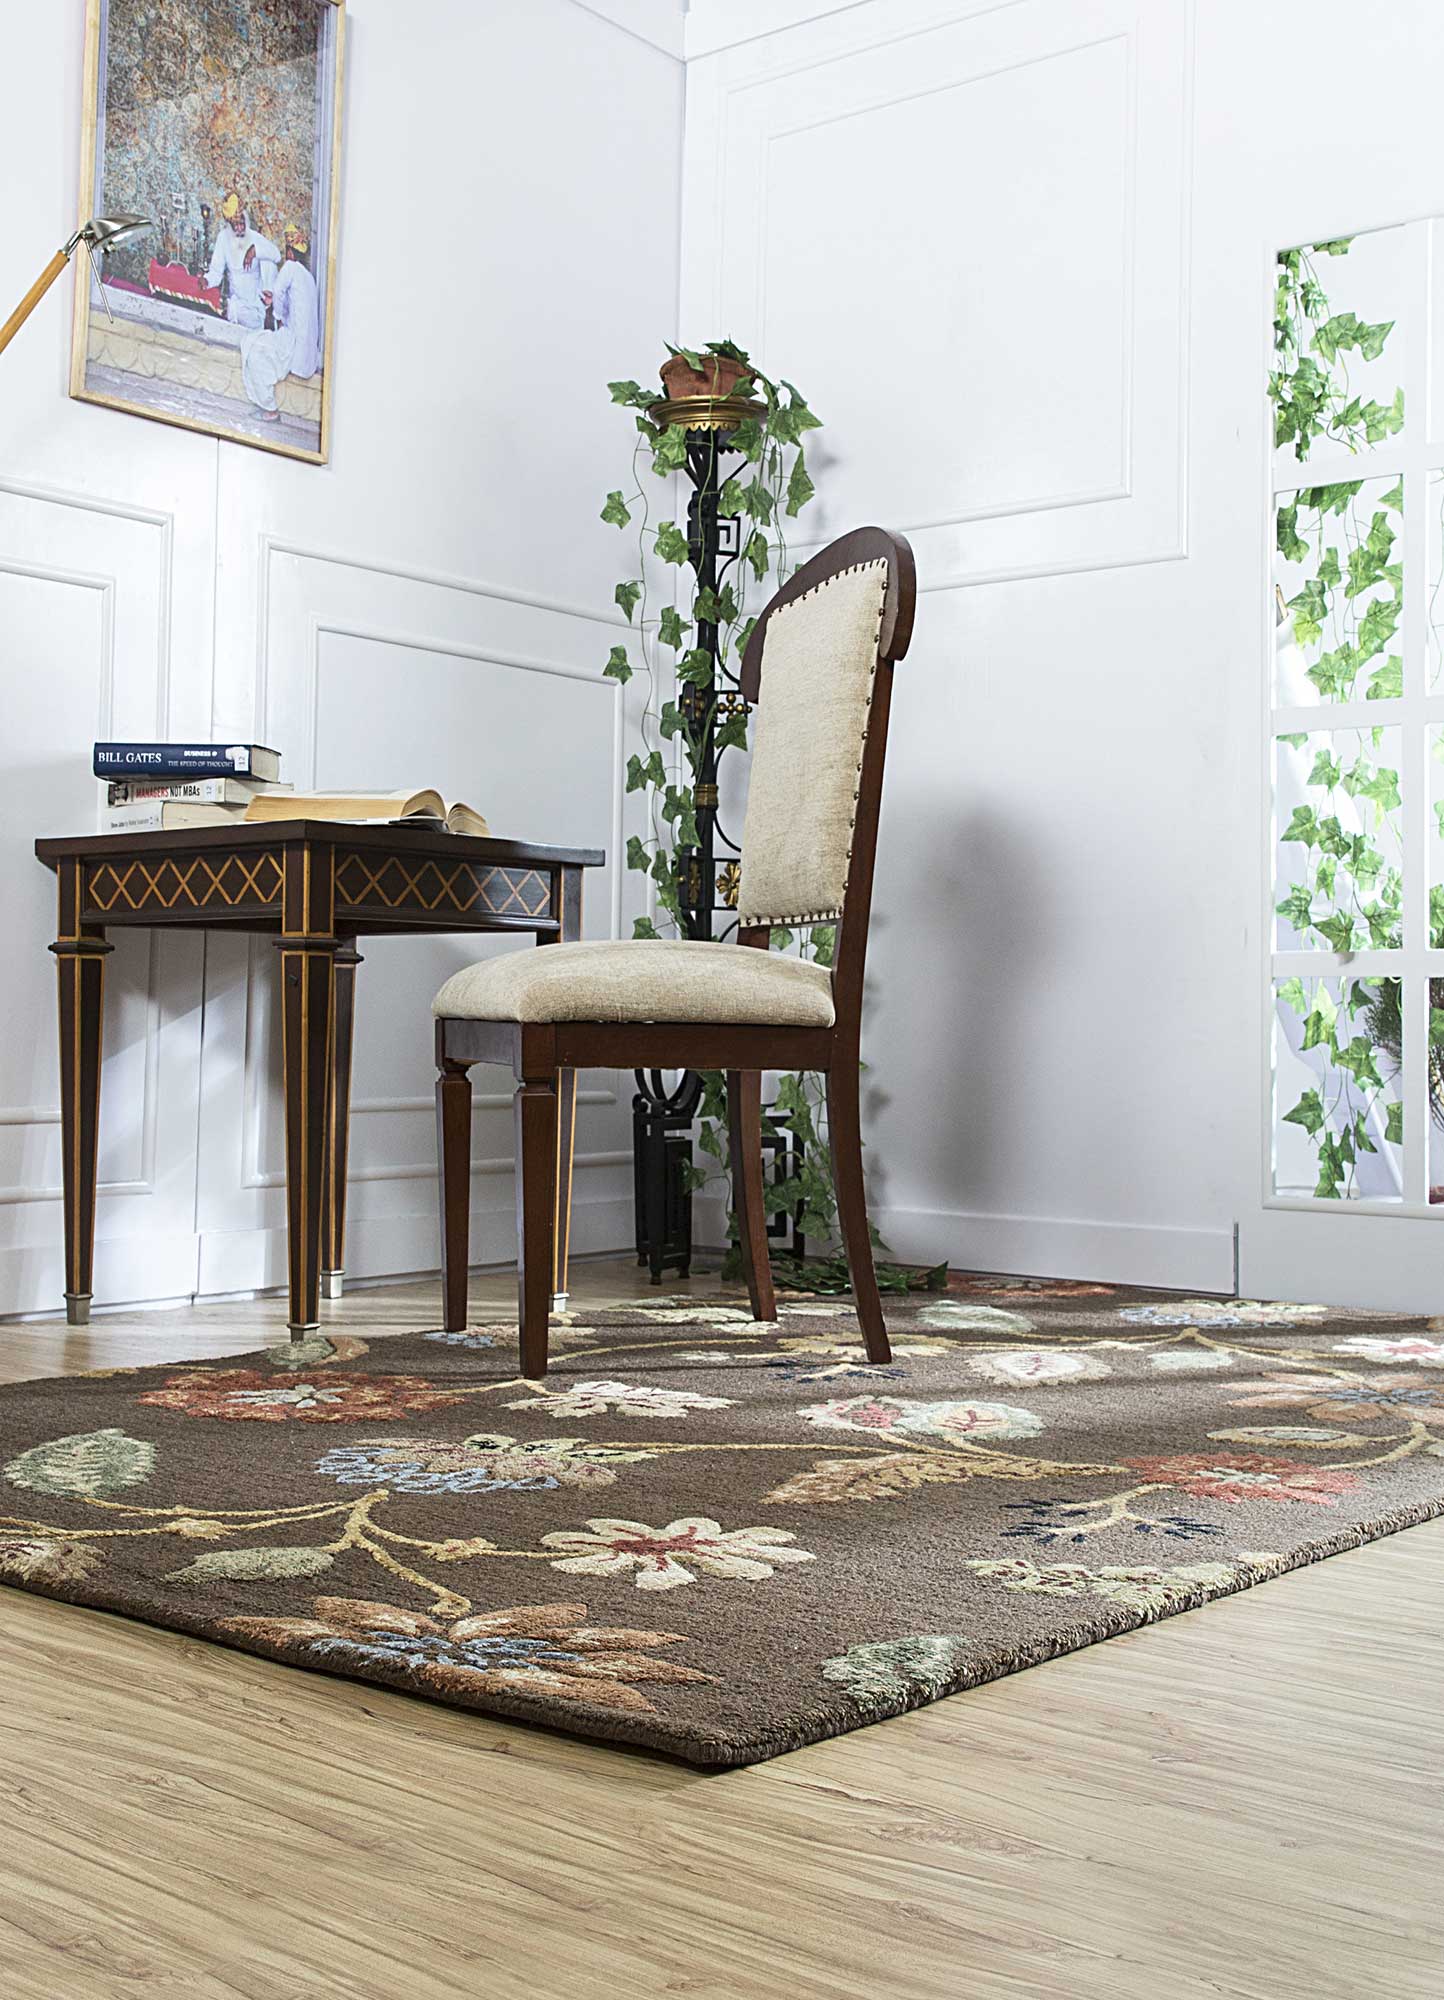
(32, 298)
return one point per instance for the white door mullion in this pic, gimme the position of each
(1414, 764)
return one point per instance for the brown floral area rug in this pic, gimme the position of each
(718, 1538)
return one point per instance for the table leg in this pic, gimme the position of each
(566, 1147)
(80, 953)
(338, 1124)
(571, 929)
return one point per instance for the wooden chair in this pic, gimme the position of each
(819, 665)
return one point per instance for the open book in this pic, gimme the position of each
(381, 808)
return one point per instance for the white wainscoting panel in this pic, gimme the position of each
(85, 608)
(966, 227)
(369, 675)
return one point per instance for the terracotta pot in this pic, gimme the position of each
(716, 377)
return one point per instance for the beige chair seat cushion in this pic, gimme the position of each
(665, 979)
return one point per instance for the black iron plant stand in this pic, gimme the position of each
(707, 873)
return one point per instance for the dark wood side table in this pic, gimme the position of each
(317, 886)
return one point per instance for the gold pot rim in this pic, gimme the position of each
(705, 413)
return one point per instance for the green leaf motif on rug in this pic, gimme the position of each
(301, 1353)
(84, 1466)
(884, 1672)
(255, 1565)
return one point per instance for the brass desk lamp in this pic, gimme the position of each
(101, 233)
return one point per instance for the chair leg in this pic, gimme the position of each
(744, 1127)
(453, 1146)
(536, 1194)
(844, 1132)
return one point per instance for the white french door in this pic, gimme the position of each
(1352, 1007)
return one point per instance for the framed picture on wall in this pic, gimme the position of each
(221, 121)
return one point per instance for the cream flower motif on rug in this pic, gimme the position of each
(666, 1558)
(1224, 1312)
(958, 1423)
(835, 1348)
(1016, 1367)
(1190, 1360)
(1403, 1347)
(1142, 1587)
(700, 1312)
(959, 1316)
(595, 1399)
(46, 1559)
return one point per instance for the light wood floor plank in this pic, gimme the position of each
(1243, 1803)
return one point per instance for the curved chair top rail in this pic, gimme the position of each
(862, 545)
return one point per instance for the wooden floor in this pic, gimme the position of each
(1246, 1801)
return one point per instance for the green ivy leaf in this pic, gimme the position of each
(757, 501)
(670, 452)
(673, 627)
(626, 595)
(1309, 1113)
(642, 773)
(637, 855)
(800, 488)
(1386, 683)
(749, 440)
(732, 731)
(1394, 1124)
(695, 667)
(618, 667)
(758, 552)
(671, 543)
(615, 510)
(643, 927)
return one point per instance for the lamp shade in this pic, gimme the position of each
(104, 232)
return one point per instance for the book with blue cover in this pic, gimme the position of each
(139, 761)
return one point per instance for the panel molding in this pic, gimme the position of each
(107, 585)
(148, 517)
(1141, 517)
(303, 694)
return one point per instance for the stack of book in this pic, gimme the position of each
(156, 786)
(152, 787)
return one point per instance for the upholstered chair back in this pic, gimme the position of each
(819, 664)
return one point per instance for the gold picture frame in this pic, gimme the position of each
(180, 349)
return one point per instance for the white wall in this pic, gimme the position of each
(432, 607)
(1019, 256)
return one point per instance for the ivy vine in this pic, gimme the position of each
(1346, 894)
(771, 488)
(1309, 383)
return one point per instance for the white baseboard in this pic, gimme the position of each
(403, 1246)
(127, 1268)
(1049, 1246)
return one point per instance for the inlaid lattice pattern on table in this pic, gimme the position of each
(184, 881)
(432, 885)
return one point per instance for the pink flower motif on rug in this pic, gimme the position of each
(667, 1557)
(275, 1399)
(956, 1422)
(1017, 1367)
(1249, 1476)
(1410, 1347)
